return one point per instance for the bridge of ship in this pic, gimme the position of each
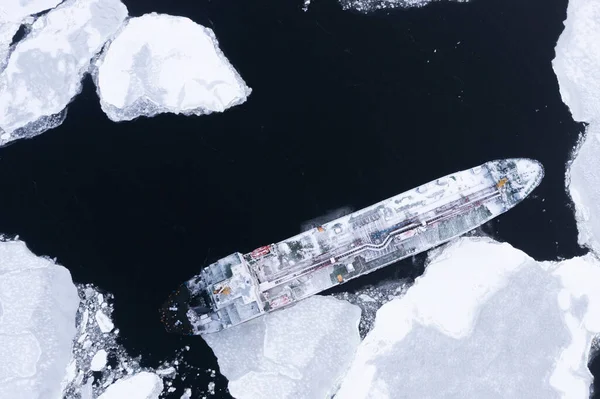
(466, 192)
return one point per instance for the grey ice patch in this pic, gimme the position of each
(511, 351)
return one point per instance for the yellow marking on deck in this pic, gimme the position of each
(502, 182)
(340, 278)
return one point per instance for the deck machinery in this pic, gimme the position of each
(238, 288)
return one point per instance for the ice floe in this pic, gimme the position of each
(299, 352)
(38, 302)
(483, 312)
(577, 67)
(162, 63)
(45, 69)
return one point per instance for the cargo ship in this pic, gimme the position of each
(241, 287)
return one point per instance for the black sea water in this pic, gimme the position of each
(347, 109)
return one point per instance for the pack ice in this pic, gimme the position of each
(577, 67)
(299, 352)
(44, 71)
(162, 63)
(38, 302)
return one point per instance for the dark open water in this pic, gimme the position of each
(347, 109)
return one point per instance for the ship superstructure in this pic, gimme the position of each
(240, 287)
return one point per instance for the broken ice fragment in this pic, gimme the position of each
(99, 360)
(104, 322)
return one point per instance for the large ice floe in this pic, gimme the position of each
(485, 320)
(577, 67)
(162, 63)
(38, 302)
(300, 352)
(45, 69)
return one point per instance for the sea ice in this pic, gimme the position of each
(298, 352)
(13, 13)
(144, 385)
(577, 67)
(485, 320)
(38, 302)
(161, 63)
(373, 5)
(45, 69)
(99, 360)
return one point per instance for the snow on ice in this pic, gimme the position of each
(577, 67)
(38, 302)
(143, 385)
(483, 312)
(162, 63)
(99, 360)
(14, 13)
(45, 69)
(299, 352)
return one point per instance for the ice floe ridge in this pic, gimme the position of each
(144, 66)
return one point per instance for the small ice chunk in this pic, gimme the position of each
(187, 394)
(104, 322)
(45, 69)
(366, 298)
(144, 385)
(38, 303)
(162, 63)
(99, 360)
(166, 371)
(298, 352)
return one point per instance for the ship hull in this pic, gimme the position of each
(239, 287)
